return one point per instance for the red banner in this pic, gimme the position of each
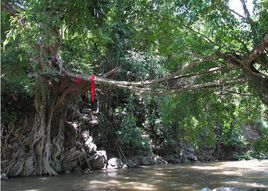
(92, 86)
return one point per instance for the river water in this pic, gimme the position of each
(185, 177)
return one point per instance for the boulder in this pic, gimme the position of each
(130, 164)
(184, 159)
(173, 159)
(114, 163)
(225, 189)
(159, 160)
(221, 189)
(86, 111)
(142, 160)
(98, 160)
(191, 157)
(3, 176)
(147, 161)
(187, 153)
(206, 189)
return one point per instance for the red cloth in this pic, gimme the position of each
(92, 86)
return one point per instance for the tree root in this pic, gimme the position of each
(28, 151)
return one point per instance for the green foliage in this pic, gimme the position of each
(16, 77)
(141, 66)
(197, 114)
(243, 156)
(147, 40)
(261, 145)
(130, 134)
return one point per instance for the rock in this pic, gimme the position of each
(141, 160)
(130, 164)
(86, 111)
(3, 176)
(98, 160)
(206, 189)
(191, 157)
(159, 160)
(71, 159)
(184, 159)
(221, 189)
(189, 149)
(115, 163)
(205, 154)
(85, 117)
(225, 189)
(147, 161)
(88, 171)
(173, 159)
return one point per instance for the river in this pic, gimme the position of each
(185, 177)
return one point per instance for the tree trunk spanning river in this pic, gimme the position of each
(187, 177)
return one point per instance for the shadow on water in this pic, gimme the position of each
(241, 174)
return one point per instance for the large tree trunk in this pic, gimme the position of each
(39, 144)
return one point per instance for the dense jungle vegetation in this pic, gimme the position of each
(171, 76)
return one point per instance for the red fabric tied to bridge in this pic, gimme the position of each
(93, 88)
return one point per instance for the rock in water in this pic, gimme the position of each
(148, 161)
(98, 160)
(3, 176)
(159, 160)
(173, 159)
(115, 163)
(225, 189)
(191, 157)
(206, 189)
(130, 164)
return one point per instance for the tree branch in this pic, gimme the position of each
(111, 72)
(245, 9)
(8, 9)
(207, 85)
(256, 52)
(246, 62)
(131, 85)
(247, 19)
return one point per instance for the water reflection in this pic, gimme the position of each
(242, 174)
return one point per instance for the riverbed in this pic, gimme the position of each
(185, 177)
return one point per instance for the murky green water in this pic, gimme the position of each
(241, 174)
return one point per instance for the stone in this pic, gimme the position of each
(173, 159)
(98, 160)
(114, 163)
(189, 149)
(3, 176)
(225, 189)
(130, 164)
(142, 160)
(159, 160)
(86, 111)
(184, 159)
(88, 171)
(147, 161)
(191, 157)
(206, 189)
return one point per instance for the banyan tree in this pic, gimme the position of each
(50, 32)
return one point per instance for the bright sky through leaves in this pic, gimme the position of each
(237, 6)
